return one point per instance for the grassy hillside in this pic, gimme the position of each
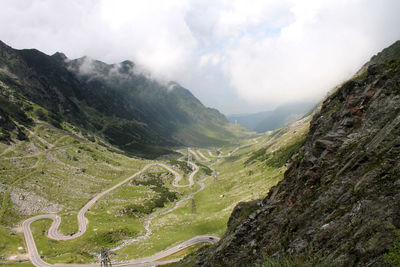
(54, 171)
(67, 135)
(60, 169)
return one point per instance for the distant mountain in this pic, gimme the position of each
(117, 102)
(274, 119)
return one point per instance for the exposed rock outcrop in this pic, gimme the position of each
(339, 201)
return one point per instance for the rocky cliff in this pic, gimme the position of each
(339, 202)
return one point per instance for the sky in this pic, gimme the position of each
(239, 56)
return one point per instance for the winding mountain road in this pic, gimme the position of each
(53, 232)
(202, 155)
(197, 157)
(210, 153)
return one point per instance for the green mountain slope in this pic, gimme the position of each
(59, 170)
(115, 102)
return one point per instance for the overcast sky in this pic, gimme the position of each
(239, 56)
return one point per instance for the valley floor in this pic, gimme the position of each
(170, 206)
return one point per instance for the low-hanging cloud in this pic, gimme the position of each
(323, 45)
(233, 54)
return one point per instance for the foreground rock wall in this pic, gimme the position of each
(340, 199)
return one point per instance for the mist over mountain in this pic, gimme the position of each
(233, 56)
(115, 150)
(119, 102)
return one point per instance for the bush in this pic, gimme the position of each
(108, 238)
(163, 196)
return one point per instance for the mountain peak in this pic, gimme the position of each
(126, 66)
(2, 44)
(128, 63)
(141, 114)
(59, 56)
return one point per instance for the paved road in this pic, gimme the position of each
(202, 155)
(190, 242)
(82, 224)
(210, 153)
(149, 219)
(195, 154)
(255, 141)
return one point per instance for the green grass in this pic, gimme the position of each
(61, 169)
(393, 256)
(86, 167)
(283, 154)
(10, 241)
(108, 225)
(214, 204)
(59, 251)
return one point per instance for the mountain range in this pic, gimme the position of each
(117, 102)
(322, 191)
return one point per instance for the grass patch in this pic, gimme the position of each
(283, 154)
(9, 243)
(393, 256)
(85, 168)
(111, 237)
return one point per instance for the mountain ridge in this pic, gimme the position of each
(114, 101)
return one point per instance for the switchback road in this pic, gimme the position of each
(53, 232)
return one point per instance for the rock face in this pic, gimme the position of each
(339, 201)
(29, 203)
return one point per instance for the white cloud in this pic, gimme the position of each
(265, 52)
(238, 16)
(151, 32)
(213, 59)
(325, 44)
